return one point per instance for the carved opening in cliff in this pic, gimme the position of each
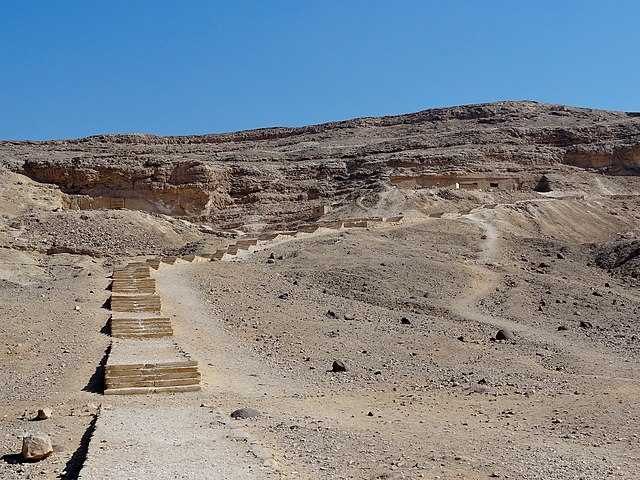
(468, 182)
(175, 203)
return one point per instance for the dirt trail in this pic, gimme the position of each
(485, 280)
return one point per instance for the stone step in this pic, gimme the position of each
(152, 381)
(246, 244)
(149, 390)
(143, 335)
(355, 224)
(135, 303)
(135, 322)
(133, 285)
(337, 225)
(170, 374)
(150, 368)
(154, 263)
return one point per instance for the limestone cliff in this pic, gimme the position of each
(285, 171)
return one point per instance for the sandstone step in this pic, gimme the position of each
(133, 285)
(219, 254)
(337, 225)
(355, 224)
(169, 260)
(152, 364)
(267, 236)
(288, 233)
(143, 335)
(142, 271)
(154, 263)
(157, 372)
(308, 228)
(135, 303)
(246, 243)
(148, 390)
(151, 381)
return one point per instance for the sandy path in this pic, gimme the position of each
(484, 280)
(163, 442)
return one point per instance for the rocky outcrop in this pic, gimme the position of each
(611, 158)
(284, 171)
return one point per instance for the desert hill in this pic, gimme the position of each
(452, 293)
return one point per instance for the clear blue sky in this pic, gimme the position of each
(75, 68)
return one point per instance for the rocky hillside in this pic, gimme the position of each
(286, 171)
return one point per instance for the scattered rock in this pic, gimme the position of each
(585, 324)
(36, 447)
(244, 413)
(331, 314)
(44, 413)
(338, 366)
(504, 334)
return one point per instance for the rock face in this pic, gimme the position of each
(286, 170)
(36, 447)
(621, 257)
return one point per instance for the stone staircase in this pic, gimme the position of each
(143, 356)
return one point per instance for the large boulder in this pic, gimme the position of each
(36, 446)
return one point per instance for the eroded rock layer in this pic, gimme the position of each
(286, 171)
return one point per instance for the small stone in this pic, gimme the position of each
(405, 321)
(271, 260)
(331, 314)
(338, 366)
(560, 256)
(562, 328)
(585, 324)
(283, 296)
(370, 414)
(504, 334)
(244, 413)
(36, 447)
(77, 308)
(461, 338)
(44, 413)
